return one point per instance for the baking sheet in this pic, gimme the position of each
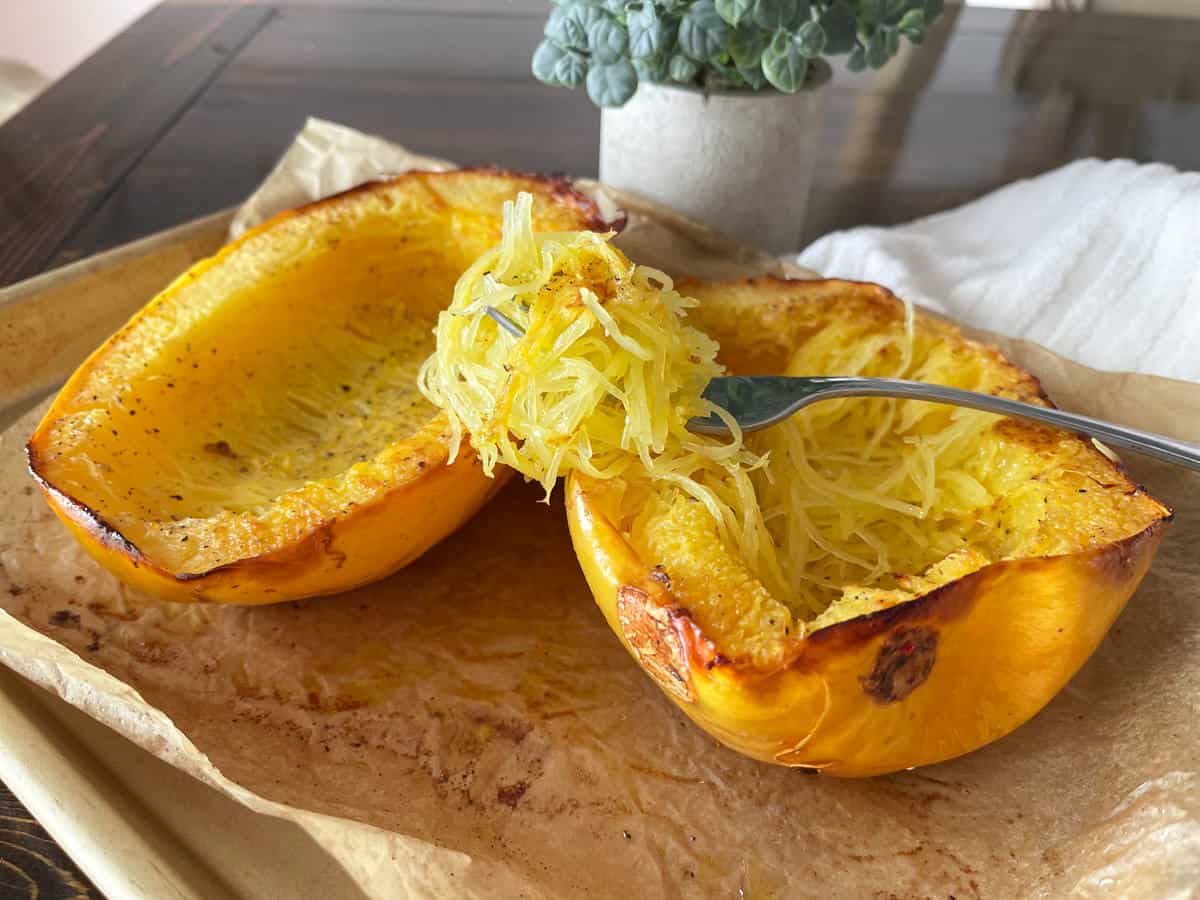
(113, 806)
(510, 745)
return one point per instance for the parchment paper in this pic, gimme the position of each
(470, 727)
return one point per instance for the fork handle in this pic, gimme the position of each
(1155, 445)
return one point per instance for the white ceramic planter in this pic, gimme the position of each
(740, 161)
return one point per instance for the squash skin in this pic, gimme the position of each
(910, 685)
(423, 504)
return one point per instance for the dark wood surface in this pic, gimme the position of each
(63, 155)
(187, 110)
(31, 864)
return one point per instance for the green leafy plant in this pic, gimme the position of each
(612, 45)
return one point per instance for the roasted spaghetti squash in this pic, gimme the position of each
(255, 434)
(875, 584)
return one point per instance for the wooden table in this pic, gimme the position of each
(186, 112)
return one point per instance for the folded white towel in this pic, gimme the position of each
(1098, 261)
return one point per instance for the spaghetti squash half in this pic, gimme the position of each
(873, 585)
(255, 434)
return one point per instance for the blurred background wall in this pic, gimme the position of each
(53, 36)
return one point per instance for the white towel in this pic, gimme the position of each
(1098, 261)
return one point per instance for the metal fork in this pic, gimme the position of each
(759, 401)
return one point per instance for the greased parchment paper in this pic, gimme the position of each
(470, 727)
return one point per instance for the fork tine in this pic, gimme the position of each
(505, 322)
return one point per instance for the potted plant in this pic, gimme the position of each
(713, 106)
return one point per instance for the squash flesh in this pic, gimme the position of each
(1000, 489)
(267, 437)
(271, 391)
